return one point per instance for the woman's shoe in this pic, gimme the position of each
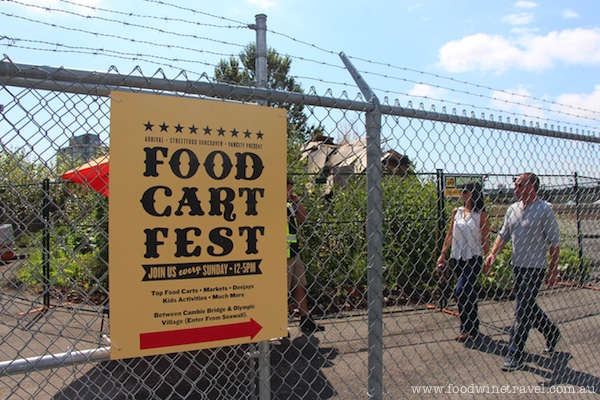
(463, 337)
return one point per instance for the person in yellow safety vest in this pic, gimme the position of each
(296, 215)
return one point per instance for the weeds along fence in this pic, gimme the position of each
(378, 200)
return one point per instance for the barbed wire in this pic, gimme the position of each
(465, 92)
(526, 105)
(240, 25)
(62, 48)
(303, 42)
(437, 76)
(128, 24)
(194, 11)
(529, 103)
(130, 40)
(463, 105)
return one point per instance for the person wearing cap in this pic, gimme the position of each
(296, 215)
(468, 240)
(533, 229)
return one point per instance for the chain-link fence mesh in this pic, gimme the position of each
(55, 300)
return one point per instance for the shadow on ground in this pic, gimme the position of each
(553, 368)
(296, 369)
(223, 373)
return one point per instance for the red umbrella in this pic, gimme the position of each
(93, 174)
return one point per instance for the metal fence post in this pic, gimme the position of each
(46, 241)
(441, 217)
(579, 238)
(375, 254)
(264, 360)
(374, 235)
(440, 234)
(261, 53)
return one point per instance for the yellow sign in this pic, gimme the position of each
(454, 183)
(452, 192)
(197, 224)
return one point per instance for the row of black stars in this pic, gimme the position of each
(207, 131)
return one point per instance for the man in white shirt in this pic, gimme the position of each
(531, 225)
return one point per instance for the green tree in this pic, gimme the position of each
(335, 243)
(76, 223)
(21, 189)
(242, 71)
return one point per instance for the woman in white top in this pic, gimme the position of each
(468, 239)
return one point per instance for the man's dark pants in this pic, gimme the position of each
(528, 314)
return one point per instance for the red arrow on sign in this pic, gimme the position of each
(152, 340)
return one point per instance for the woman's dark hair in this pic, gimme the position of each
(476, 196)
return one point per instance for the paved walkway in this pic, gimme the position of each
(419, 356)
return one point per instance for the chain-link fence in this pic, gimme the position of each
(379, 182)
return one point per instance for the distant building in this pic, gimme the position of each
(81, 149)
(334, 163)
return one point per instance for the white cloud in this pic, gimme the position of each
(518, 101)
(531, 52)
(571, 46)
(522, 102)
(478, 52)
(569, 14)
(523, 31)
(586, 104)
(525, 4)
(511, 96)
(428, 91)
(518, 19)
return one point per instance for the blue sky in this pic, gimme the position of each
(536, 60)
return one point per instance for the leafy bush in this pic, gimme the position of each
(499, 283)
(335, 246)
(75, 275)
(571, 267)
(78, 250)
(21, 190)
